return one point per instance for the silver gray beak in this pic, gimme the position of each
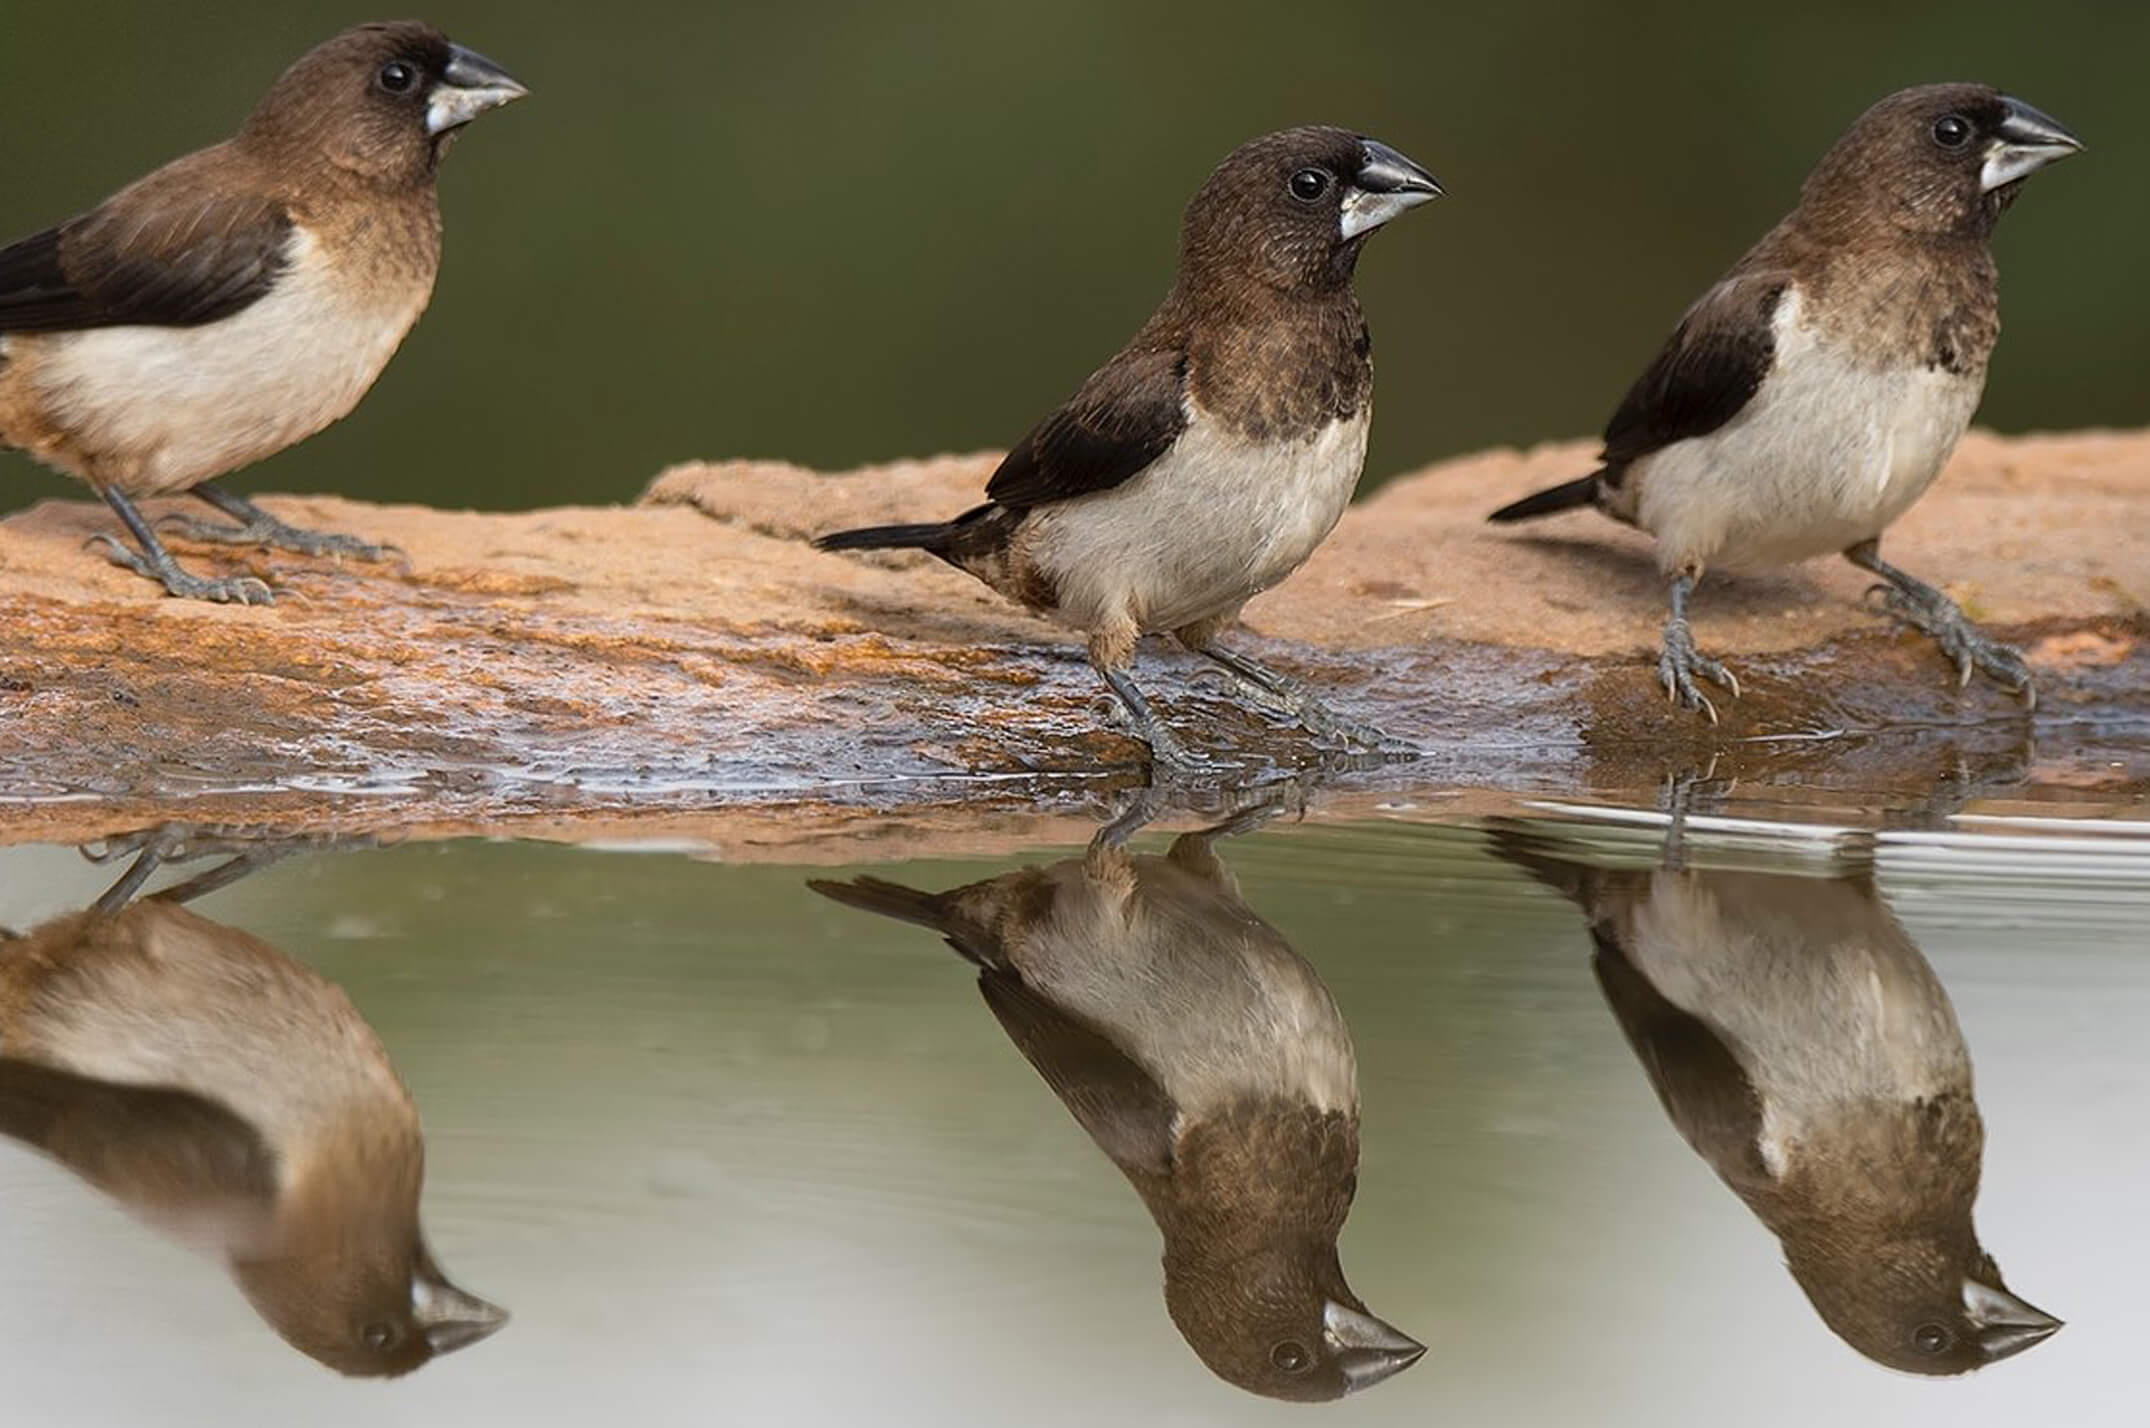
(2026, 142)
(1386, 184)
(2006, 1325)
(450, 1318)
(1366, 1349)
(470, 85)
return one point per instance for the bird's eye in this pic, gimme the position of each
(380, 1337)
(1291, 1357)
(1932, 1339)
(1952, 131)
(1308, 185)
(397, 77)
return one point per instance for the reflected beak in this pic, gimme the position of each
(2026, 142)
(2006, 1325)
(470, 85)
(1366, 1349)
(1386, 184)
(449, 1318)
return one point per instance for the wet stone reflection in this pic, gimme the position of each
(1207, 1060)
(1802, 1045)
(234, 1099)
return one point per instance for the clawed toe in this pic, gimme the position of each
(275, 535)
(234, 590)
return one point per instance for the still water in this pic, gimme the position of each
(1638, 1132)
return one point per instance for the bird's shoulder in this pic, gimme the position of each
(1707, 371)
(1123, 418)
(198, 240)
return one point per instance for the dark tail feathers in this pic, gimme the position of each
(922, 537)
(879, 895)
(1582, 491)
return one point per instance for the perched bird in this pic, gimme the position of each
(1204, 462)
(1815, 392)
(1803, 1047)
(1209, 1063)
(234, 1099)
(242, 298)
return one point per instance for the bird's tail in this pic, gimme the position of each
(888, 899)
(933, 537)
(1583, 491)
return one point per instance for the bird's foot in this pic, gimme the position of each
(233, 590)
(266, 531)
(1929, 611)
(1678, 664)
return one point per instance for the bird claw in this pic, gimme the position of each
(1943, 621)
(276, 535)
(233, 590)
(1678, 664)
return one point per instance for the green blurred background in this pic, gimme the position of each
(841, 232)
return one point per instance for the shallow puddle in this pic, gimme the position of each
(1645, 1134)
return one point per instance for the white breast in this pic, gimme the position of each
(1827, 454)
(158, 409)
(1215, 521)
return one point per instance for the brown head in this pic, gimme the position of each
(1281, 1322)
(1290, 211)
(1941, 161)
(381, 102)
(1930, 1304)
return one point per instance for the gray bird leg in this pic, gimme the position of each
(156, 563)
(258, 527)
(1924, 608)
(1679, 661)
(1167, 753)
(1268, 686)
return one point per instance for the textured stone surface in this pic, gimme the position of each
(692, 659)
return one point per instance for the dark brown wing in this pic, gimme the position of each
(1125, 417)
(165, 253)
(1713, 364)
(149, 1146)
(1117, 1101)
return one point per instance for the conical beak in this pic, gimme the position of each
(469, 86)
(1386, 184)
(2025, 142)
(450, 1318)
(1367, 1349)
(2006, 1325)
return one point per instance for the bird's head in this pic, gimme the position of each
(1941, 159)
(1919, 1306)
(1285, 1325)
(379, 101)
(1291, 210)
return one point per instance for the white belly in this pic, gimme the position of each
(1215, 521)
(156, 409)
(1827, 454)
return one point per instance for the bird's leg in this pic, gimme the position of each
(1268, 686)
(1112, 649)
(154, 562)
(1924, 608)
(258, 527)
(1679, 661)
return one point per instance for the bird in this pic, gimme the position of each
(242, 298)
(1802, 1046)
(235, 1099)
(1208, 458)
(1206, 1059)
(1814, 393)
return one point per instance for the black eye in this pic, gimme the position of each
(397, 77)
(1952, 131)
(1307, 185)
(1288, 1356)
(380, 1337)
(1932, 1339)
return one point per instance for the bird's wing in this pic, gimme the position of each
(1119, 1103)
(151, 1147)
(1711, 366)
(149, 257)
(1712, 1102)
(1125, 417)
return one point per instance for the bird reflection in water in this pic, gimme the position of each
(233, 1098)
(1802, 1046)
(1210, 1064)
